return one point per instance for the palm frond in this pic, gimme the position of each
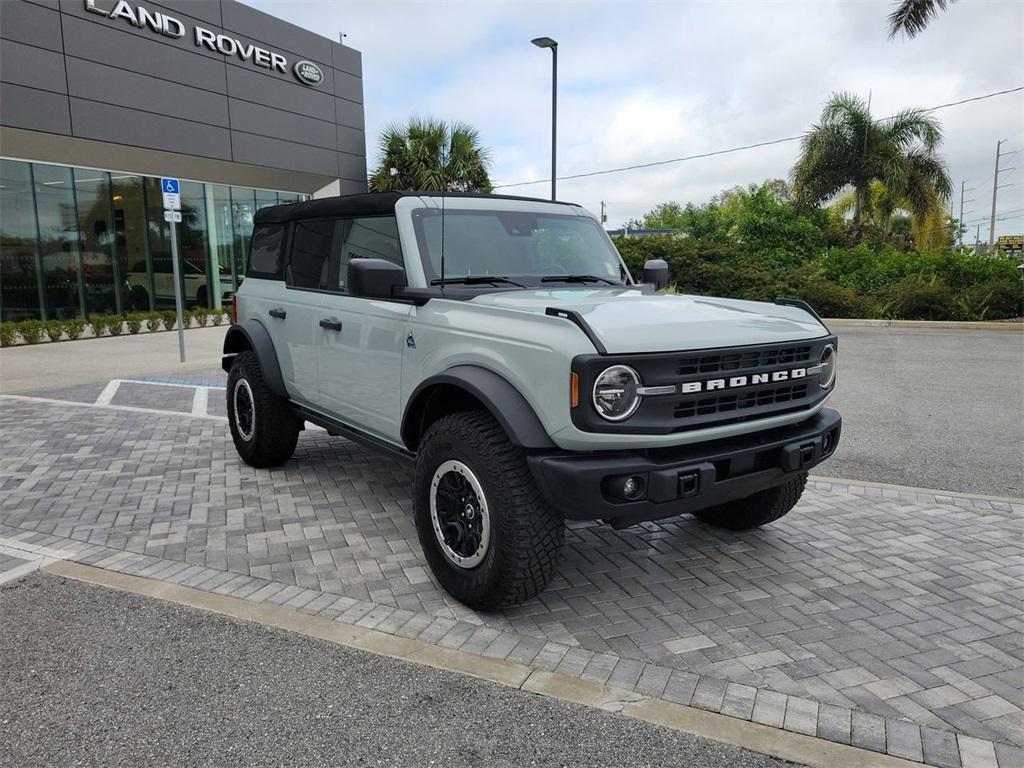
(910, 17)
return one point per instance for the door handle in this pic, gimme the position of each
(280, 314)
(331, 323)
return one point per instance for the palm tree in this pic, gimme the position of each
(431, 155)
(912, 16)
(847, 148)
(881, 208)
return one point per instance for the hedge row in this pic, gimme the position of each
(34, 331)
(863, 281)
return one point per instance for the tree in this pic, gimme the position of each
(911, 16)
(847, 148)
(431, 155)
(892, 214)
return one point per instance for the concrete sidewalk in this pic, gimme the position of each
(40, 367)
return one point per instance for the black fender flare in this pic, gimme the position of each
(498, 396)
(251, 334)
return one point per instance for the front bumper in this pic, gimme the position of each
(672, 481)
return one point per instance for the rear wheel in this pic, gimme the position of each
(263, 427)
(761, 508)
(488, 535)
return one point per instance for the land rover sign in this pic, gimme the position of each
(308, 73)
(162, 23)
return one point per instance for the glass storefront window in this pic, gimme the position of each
(221, 233)
(19, 255)
(130, 247)
(63, 290)
(76, 241)
(243, 206)
(96, 231)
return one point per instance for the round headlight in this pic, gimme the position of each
(615, 392)
(827, 366)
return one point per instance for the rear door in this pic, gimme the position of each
(294, 322)
(363, 345)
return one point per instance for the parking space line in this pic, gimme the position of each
(200, 401)
(111, 407)
(107, 395)
(172, 383)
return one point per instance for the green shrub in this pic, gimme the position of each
(153, 321)
(8, 334)
(98, 323)
(202, 316)
(832, 300)
(115, 325)
(917, 298)
(74, 327)
(31, 331)
(170, 319)
(216, 316)
(134, 321)
(54, 329)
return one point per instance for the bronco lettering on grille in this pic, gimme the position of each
(733, 382)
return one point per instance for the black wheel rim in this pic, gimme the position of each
(459, 514)
(245, 409)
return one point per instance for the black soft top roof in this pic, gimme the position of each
(364, 204)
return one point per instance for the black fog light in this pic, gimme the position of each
(828, 442)
(626, 487)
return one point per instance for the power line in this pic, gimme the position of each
(743, 148)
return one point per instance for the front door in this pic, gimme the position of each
(362, 341)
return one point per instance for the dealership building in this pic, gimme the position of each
(101, 98)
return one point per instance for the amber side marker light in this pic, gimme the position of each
(574, 389)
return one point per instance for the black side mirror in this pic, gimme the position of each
(375, 278)
(656, 273)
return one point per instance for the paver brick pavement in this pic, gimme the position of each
(860, 610)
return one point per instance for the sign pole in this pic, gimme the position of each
(171, 189)
(178, 302)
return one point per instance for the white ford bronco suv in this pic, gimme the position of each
(501, 344)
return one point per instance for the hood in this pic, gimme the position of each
(631, 321)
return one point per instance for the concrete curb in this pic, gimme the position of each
(841, 322)
(741, 733)
(914, 489)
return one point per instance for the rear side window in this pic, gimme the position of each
(265, 251)
(368, 238)
(310, 261)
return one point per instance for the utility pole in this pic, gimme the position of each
(960, 222)
(604, 219)
(996, 186)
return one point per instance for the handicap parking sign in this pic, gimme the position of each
(172, 194)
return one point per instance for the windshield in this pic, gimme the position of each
(525, 247)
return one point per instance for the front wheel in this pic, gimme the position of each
(761, 508)
(263, 427)
(488, 535)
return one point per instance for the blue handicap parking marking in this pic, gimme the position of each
(170, 186)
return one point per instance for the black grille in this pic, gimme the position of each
(705, 405)
(743, 360)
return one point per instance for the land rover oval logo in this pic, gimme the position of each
(308, 72)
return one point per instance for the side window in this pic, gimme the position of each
(310, 261)
(373, 237)
(265, 251)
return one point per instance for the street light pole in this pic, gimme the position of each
(547, 42)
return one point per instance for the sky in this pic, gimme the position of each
(641, 82)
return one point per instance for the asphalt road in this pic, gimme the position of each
(934, 408)
(90, 676)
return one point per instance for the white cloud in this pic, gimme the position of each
(640, 82)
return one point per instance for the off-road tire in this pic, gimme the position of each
(526, 534)
(761, 508)
(275, 429)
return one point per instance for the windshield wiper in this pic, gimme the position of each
(577, 279)
(475, 280)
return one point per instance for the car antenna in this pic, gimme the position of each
(442, 228)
